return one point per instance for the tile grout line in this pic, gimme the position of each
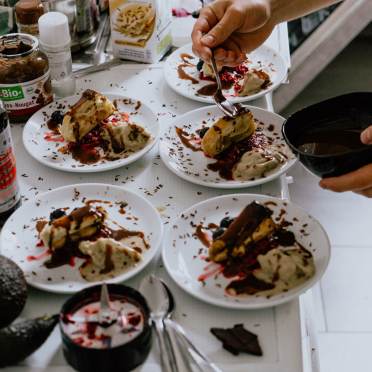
(323, 307)
(346, 332)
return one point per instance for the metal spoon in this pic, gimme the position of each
(153, 290)
(222, 103)
(202, 362)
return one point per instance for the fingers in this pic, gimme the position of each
(229, 54)
(229, 23)
(357, 181)
(366, 136)
(201, 27)
(367, 192)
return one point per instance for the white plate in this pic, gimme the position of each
(192, 166)
(19, 236)
(47, 152)
(182, 251)
(263, 57)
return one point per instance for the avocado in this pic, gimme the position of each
(13, 291)
(21, 339)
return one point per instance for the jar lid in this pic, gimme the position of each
(29, 11)
(54, 30)
(17, 45)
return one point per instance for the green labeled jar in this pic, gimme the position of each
(25, 84)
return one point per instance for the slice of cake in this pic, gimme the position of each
(85, 115)
(81, 223)
(253, 224)
(227, 131)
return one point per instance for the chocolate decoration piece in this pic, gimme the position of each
(246, 223)
(238, 340)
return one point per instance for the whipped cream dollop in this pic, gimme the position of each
(256, 163)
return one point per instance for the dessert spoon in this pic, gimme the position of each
(153, 290)
(222, 103)
(202, 362)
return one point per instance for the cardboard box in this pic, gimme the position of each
(141, 29)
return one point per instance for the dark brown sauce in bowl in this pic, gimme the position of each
(330, 142)
(330, 131)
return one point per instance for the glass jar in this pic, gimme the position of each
(25, 84)
(27, 14)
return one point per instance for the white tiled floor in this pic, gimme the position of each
(337, 212)
(346, 290)
(343, 300)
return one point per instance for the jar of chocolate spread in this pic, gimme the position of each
(25, 84)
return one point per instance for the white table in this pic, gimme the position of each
(279, 328)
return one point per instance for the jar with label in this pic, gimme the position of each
(28, 13)
(10, 198)
(25, 84)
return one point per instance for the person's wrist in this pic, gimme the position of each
(276, 15)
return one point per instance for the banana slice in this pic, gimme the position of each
(108, 258)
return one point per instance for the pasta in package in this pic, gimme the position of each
(141, 29)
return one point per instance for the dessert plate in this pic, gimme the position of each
(184, 255)
(192, 165)
(19, 237)
(263, 57)
(46, 151)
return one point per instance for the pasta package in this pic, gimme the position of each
(141, 29)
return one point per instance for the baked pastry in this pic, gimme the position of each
(107, 258)
(85, 115)
(262, 257)
(79, 224)
(227, 131)
(253, 224)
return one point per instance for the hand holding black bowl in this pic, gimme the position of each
(359, 181)
(332, 140)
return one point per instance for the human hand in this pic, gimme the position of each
(233, 27)
(359, 181)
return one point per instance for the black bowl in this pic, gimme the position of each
(347, 112)
(122, 358)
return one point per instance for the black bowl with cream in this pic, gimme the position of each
(119, 345)
(326, 136)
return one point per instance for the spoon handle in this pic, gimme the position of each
(202, 361)
(166, 365)
(215, 70)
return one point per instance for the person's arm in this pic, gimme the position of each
(284, 10)
(235, 27)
